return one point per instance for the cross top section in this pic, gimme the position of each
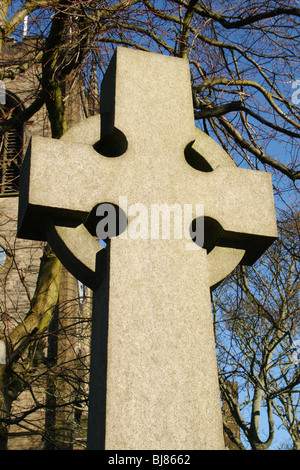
(151, 152)
(141, 96)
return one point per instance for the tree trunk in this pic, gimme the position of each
(35, 323)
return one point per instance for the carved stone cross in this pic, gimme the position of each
(154, 381)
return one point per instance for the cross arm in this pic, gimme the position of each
(60, 183)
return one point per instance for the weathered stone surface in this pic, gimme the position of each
(75, 195)
(154, 375)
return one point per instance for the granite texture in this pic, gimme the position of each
(154, 378)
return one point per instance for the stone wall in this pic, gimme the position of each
(19, 272)
(19, 267)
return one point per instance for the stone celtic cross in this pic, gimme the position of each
(153, 381)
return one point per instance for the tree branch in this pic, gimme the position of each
(259, 153)
(23, 116)
(269, 96)
(185, 29)
(205, 12)
(43, 303)
(216, 111)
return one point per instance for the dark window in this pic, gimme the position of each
(11, 146)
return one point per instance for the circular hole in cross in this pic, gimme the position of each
(2, 256)
(195, 160)
(206, 232)
(106, 220)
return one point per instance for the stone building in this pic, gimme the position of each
(20, 261)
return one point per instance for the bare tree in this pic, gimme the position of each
(258, 326)
(244, 61)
